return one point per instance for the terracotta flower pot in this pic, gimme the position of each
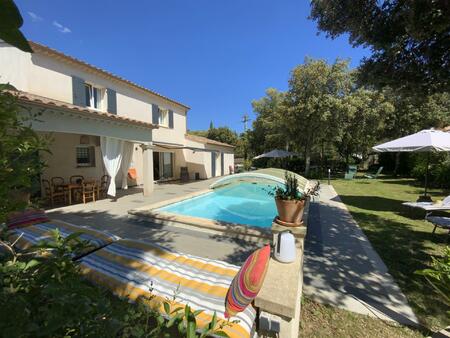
(290, 211)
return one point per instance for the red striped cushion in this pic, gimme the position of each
(24, 218)
(248, 281)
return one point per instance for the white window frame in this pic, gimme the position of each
(163, 119)
(101, 101)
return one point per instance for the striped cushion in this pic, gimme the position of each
(247, 283)
(135, 269)
(26, 237)
(25, 218)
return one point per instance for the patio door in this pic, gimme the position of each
(162, 165)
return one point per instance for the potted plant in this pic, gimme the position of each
(290, 201)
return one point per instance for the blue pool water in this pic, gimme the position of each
(243, 203)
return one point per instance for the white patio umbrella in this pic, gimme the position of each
(428, 140)
(276, 153)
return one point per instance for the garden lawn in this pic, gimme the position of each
(318, 320)
(402, 239)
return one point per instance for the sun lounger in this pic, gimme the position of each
(439, 221)
(135, 269)
(374, 176)
(430, 206)
(33, 234)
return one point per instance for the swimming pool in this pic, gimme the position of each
(242, 203)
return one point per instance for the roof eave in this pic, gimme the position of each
(82, 110)
(37, 47)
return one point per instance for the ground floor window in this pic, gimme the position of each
(162, 165)
(85, 156)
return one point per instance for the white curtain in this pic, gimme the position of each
(126, 161)
(112, 152)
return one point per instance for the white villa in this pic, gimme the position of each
(103, 124)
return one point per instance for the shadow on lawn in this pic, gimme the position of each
(374, 203)
(405, 249)
(337, 254)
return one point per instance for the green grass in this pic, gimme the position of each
(403, 240)
(319, 320)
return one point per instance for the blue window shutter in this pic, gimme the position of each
(112, 101)
(171, 119)
(78, 91)
(213, 164)
(222, 164)
(155, 114)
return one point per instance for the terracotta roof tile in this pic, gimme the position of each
(41, 100)
(206, 140)
(37, 47)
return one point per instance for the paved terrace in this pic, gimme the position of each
(112, 216)
(341, 267)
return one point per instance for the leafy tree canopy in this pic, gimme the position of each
(268, 130)
(223, 134)
(10, 22)
(410, 40)
(315, 88)
(20, 145)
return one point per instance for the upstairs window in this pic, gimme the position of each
(163, 117)
(94, 96)
(85, 156)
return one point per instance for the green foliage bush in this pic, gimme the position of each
(20, 145)
(43, 295)
(438, 276)
(439, 170)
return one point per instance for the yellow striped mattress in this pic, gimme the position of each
(136, 269)
(33, 234)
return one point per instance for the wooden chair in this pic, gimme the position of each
(88, 191)
(52, 195)
(104, 183)
(77, 192)
(76, 179)
(57, 183)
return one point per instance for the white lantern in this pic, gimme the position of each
(285, 247)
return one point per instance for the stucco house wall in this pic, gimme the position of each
(51, 76)
(61, 161)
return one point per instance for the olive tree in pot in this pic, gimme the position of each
(290, 201)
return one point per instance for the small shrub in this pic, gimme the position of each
(43, 295)
(439, 170)
(290, 190)
(438, 276)
(247, 164)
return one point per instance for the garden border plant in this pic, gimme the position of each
(42, 294)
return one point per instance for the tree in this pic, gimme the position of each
(242, 146)
(414, 113)
(410, 40)
(10, 22)
(19, 153)
(361, 116)
(223, 134)
(203, 133)
(268, 128)
(315, 89)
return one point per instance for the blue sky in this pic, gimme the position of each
(215, 56)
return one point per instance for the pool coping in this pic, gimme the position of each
(149, 212)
